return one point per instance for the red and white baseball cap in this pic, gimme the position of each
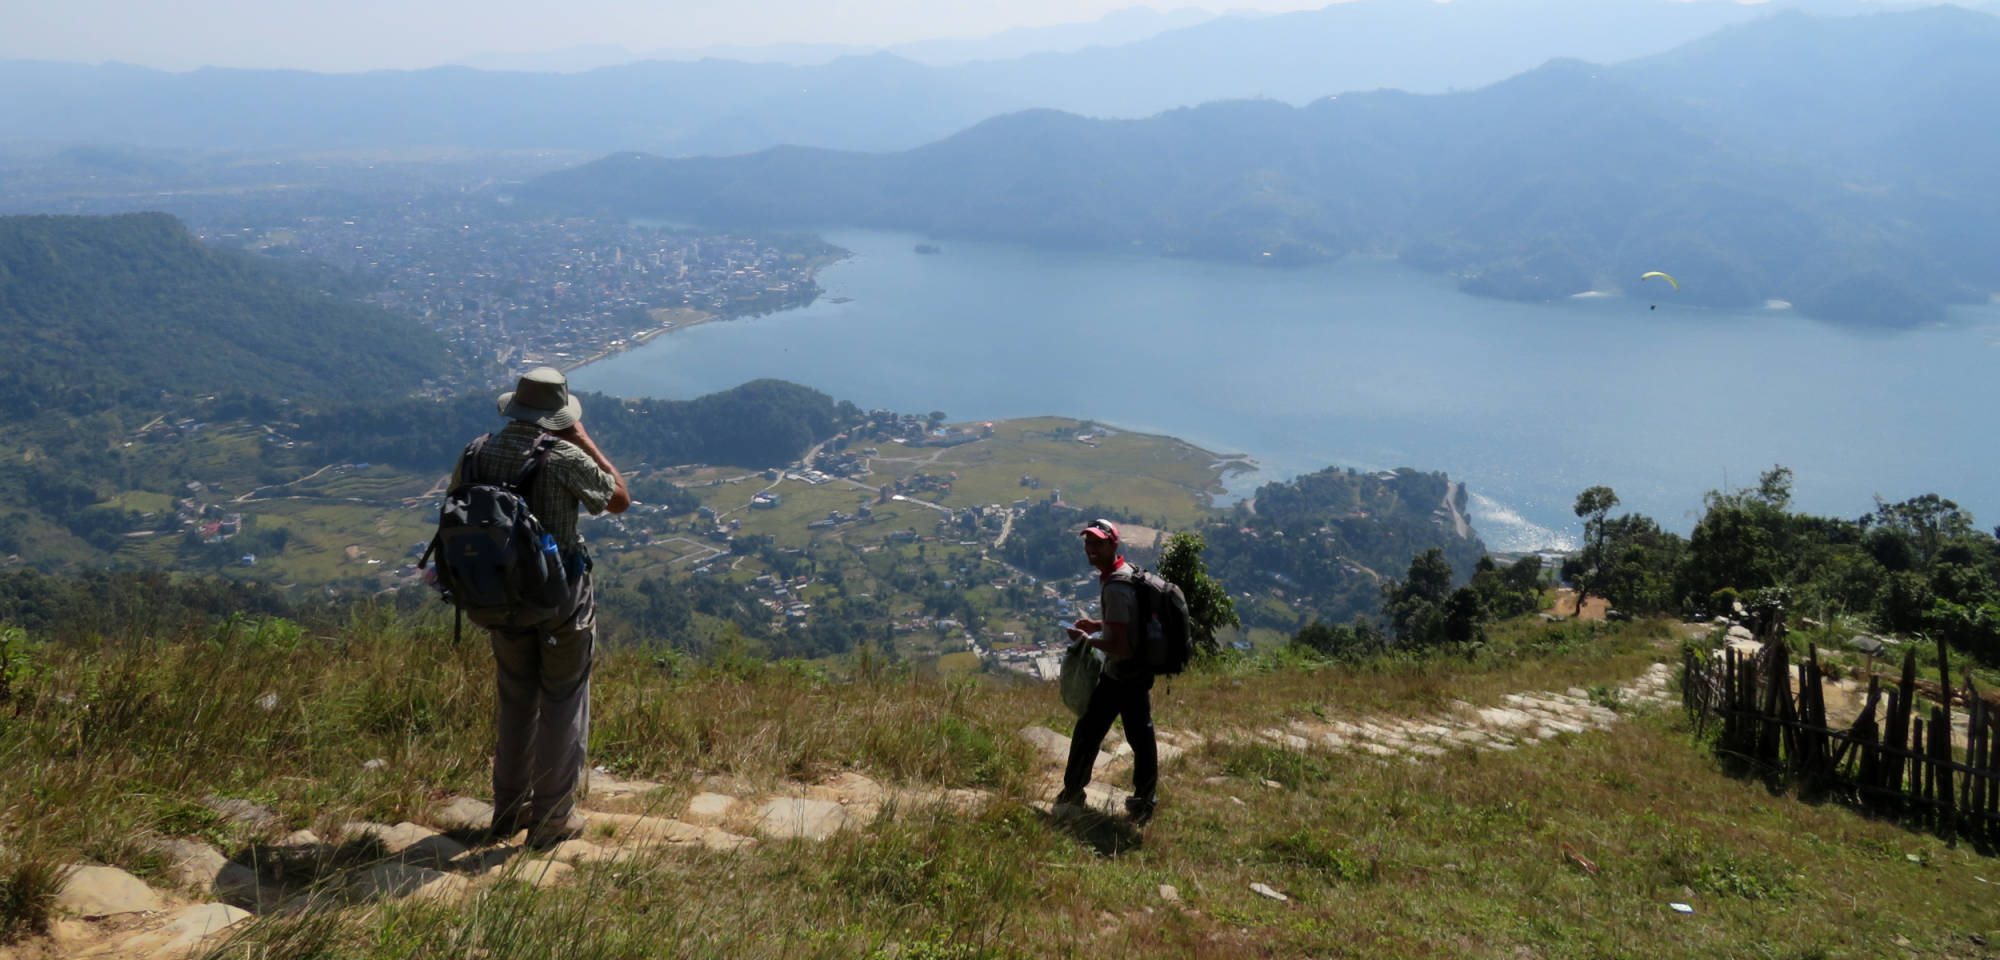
(1102, 529)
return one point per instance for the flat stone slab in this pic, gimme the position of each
(709, 807)
(194, 864)
(849, 788)
(93, 891)
(395, 839)
(783, 818)
(540, 873)
(1050, 744)
(631, 829)
(463, 813)
(579, 851)
(603, 784)
(1504, 719)
(181, 936)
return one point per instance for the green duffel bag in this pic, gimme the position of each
(1081, 667)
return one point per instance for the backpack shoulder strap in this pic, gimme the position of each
(1142, 592)
(537, 456)
(468, 460)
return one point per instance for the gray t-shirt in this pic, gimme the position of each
(1119, 603)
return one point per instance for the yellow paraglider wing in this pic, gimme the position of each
(1655, 273)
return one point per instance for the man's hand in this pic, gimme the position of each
(1075, 635)
(574, 433)
(1088, 625)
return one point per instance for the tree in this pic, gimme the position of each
(1465, 616)
(1593, 505)
(1416, 606)
(936, 419)
(1210, 608)
(1926, 522)
(1351, 642)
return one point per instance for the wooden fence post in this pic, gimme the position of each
(1897, 738)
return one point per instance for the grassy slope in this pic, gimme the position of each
(110, 748)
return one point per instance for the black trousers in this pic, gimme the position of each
(1129, 699)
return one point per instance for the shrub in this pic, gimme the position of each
(28, 889)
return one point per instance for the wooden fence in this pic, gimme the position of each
(1891, 761)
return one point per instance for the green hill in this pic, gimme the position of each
(102, 312)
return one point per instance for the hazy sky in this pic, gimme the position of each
(368, 34)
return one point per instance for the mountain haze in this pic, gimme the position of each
(874, 102)
(1859, 199)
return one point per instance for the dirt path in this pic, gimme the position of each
(252, 495)
(1458, 524)
(1565, 606)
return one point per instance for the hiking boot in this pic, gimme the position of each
(551, 833)
(1069, 805)
(1138, 809)
(506, 825)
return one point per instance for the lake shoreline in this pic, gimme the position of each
(699, 316)
(1375, 365)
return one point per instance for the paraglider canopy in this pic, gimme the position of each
(1655, 273)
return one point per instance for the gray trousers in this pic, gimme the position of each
(544, 713)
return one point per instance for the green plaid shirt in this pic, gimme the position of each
(569, 479)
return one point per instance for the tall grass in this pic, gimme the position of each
(110, 746)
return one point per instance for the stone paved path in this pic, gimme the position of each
(1520, 720)
(107, 913)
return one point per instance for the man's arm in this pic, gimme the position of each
(1112, 637)
(1113, 640)
(575, 434)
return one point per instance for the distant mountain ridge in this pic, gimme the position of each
(1762, 163)
(877, 102)
(1117, 27)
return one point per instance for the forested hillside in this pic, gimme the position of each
(1709, 163)
(1919, 566)
(1320, 546)
(760, 423)
(97, 312)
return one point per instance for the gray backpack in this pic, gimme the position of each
(1161, 637)
(495, 562)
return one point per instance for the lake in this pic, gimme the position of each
(1369, 364)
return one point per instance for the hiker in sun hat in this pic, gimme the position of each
(543, 670)
(1125, 689)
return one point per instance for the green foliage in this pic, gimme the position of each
(97, 312)
(1326, 538)
(1210, 608)
(28, 889)
(1419, 607)
(17, 661)
(1695, 861)
(1919, 565)
(1355, 641)
(1319, 854)
(760, 423)
(1510, 591)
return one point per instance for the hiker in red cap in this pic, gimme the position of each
(1123, 692)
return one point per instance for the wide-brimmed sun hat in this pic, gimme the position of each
(542, 397)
